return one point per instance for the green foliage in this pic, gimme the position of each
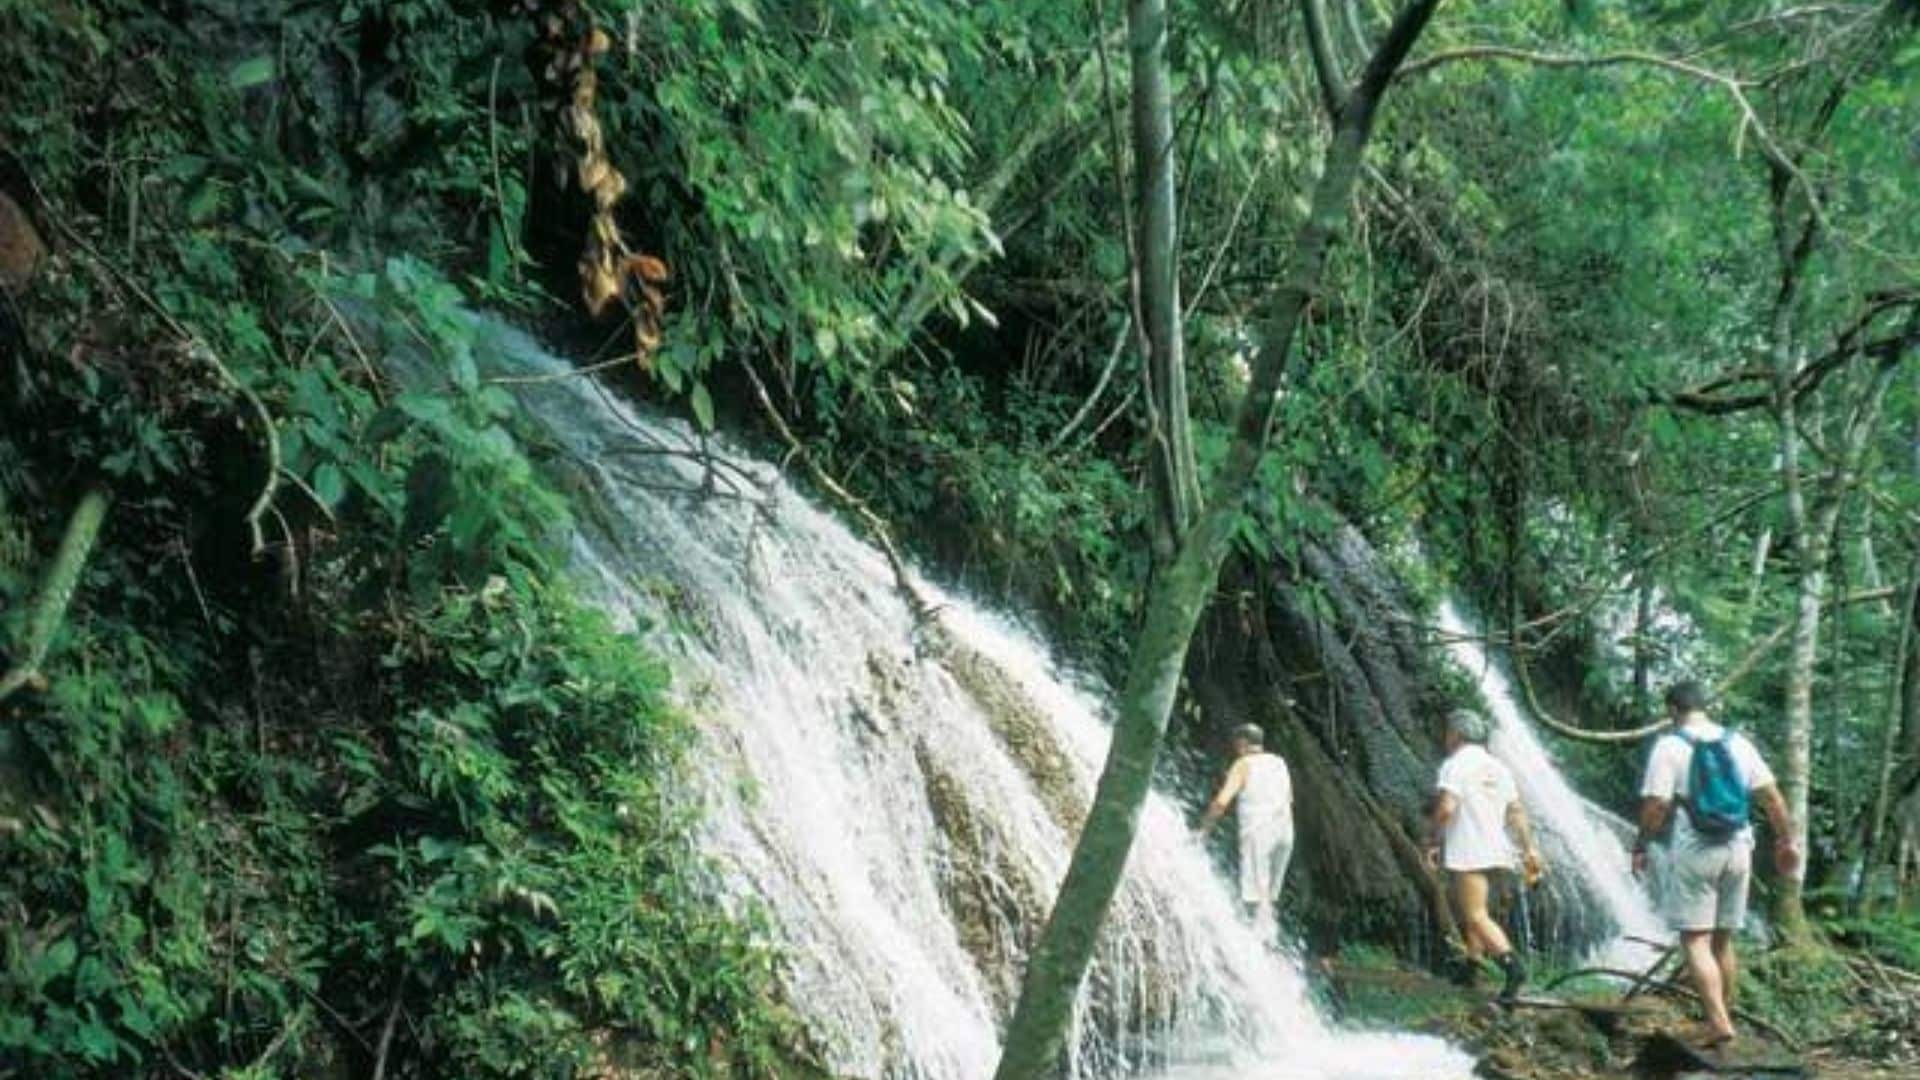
(1893, 939)
(373, 765)
(819, 149)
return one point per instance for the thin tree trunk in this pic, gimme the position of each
(1642, 654)
(1176, 598)
(1757, 572)
(1176, 481)
(1904, 715)
(1814, 536)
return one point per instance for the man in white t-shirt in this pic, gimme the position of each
(1709, 865)
(1477, 816)
(1260, 784)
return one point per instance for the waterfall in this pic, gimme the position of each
(897, 799)
(1574, 834)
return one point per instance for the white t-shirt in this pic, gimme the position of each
(1482, 788)
(1266, 795)
(1671, 760)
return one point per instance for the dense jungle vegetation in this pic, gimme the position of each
(312, 763)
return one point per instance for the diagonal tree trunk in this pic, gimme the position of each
(1038, 1028)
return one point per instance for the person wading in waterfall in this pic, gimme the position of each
(1715, 776)
(1476, 818)
(1260, 783)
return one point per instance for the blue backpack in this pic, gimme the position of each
(1717, 800)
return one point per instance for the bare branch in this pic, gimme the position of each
(1734, 86)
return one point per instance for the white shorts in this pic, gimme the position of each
(1264, 854)
(1705, 887)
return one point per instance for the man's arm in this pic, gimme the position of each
(1654, 813)
(1229, 791)
(1786, 856)
(1444, 807)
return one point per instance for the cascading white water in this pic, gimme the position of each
(898, 800)
(1576, 833)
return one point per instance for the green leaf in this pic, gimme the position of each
(330, 484)
(251, 72)
(702, 403)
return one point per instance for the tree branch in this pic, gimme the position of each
(1706, 399)
(1734, 87)
(1326, 66)
(1100, 387)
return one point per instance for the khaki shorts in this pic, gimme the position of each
(1706, 886)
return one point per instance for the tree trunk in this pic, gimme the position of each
(1814, 536)
(1176, 482)
(1642, 653)
(1902, 717)
(1038, 1028)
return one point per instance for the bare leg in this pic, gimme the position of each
(1729, 965)
(1482, 933)
(1698, 945)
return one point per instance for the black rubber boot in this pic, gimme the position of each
(1465, 972)
(1516, 976)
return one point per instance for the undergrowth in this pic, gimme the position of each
(327, 771)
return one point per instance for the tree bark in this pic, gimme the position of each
(1902, 717)
(1814, 537)
(1176, 481)
(1038, 1028)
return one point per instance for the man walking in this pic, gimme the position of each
(1714, 776)
(1263, 788)
(1476, 818)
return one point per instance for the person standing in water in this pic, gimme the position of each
(1476, 819)
(1262, 787)
(1715, 776)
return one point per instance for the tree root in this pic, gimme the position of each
(1674, 990)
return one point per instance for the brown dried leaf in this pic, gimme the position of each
(647, 268)
(593, 170)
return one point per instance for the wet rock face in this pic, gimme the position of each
(989, 899)
(999, 902)
(1331, 658)
(1356, 828)
(1326, 657)
(1027, 733)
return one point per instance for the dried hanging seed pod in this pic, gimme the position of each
(606, 265)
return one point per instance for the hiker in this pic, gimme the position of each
(1476, 819)
(1260, 783)
(1714, 776)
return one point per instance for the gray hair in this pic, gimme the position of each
(1251, 735)
(1469, 725)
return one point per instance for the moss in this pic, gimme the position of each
(987, 898)
(1026, 732)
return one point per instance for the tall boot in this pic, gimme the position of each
(1515, 975)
